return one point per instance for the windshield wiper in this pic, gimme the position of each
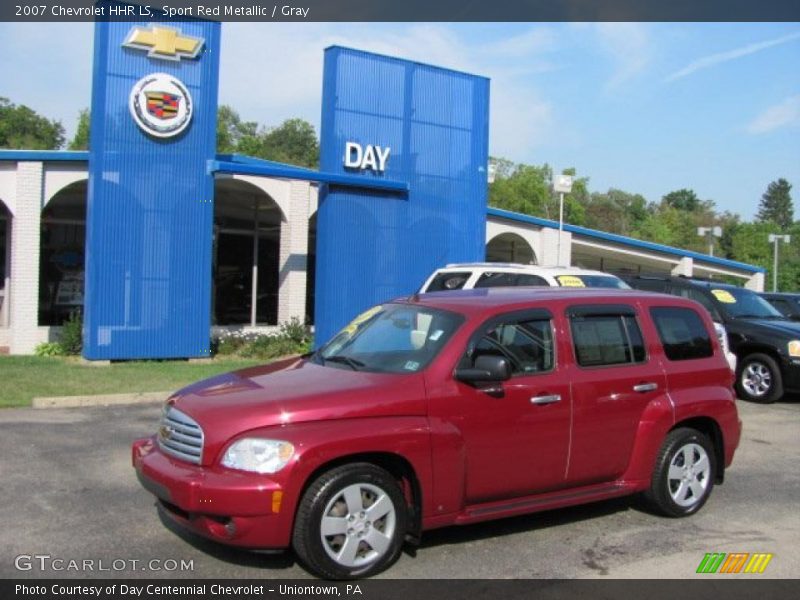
(345, 360)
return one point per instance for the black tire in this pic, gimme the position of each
(680, 488)
(759, 379)
(374, 544)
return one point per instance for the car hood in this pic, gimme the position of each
(294, 391)
(784, 328)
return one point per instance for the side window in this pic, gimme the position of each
(682, 333)
(488, 279)
(604, 340)
(526, 344)
(448, 281)
(650, 285)
(782, 306)
(700, 297)
(531, 280)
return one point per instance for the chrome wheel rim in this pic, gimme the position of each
(358, 525)
(756, 379)
(689, 475)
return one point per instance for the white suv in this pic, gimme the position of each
(483, 275)
(467, 276)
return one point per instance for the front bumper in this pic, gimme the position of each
(790, 369)
(232, 507)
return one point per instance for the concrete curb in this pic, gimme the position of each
(99, 400)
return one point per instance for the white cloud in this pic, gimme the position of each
(783, 114)
(271, 72)
(722, 57)
(629, 46)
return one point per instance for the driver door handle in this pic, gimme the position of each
(645, 387)
(548, 399)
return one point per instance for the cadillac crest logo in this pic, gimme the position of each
(161, 105)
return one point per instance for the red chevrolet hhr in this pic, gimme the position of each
(450, 408)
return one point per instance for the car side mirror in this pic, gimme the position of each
(486, 368)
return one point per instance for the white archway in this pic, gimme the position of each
(510, 247)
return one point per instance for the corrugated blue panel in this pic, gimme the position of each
(150, 206)
(373, 245)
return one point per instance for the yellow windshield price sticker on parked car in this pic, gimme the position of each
(570, 281)
(724, 296)
(365, 316)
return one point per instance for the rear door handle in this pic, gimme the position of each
(645, 387)
(548, 399)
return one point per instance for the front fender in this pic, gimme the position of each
(324, 442)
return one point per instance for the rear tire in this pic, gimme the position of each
(684, 474)
(759, 379)
(351, 522)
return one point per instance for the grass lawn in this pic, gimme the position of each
(24, 377)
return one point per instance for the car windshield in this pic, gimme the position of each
(390, 338)
(592, 281)
(744, 304)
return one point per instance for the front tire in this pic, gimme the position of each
(684, 474)
(759, 379)
(351, 522)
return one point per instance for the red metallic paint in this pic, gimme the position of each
(475, 456)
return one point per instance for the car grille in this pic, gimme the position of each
(180, 436)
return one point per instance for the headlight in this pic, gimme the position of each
(258, 455)
(794, 348)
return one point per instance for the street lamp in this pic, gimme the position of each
(711, 232)
(774, 238)
(562, 185)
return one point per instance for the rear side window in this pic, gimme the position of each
(682, 333)
(604, 340)
(448, 281)
(487, 280)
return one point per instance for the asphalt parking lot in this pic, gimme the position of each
(69, 492)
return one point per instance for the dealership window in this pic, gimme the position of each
(247, 229)
(5, 238)
(62, 254)
(607, 339)
(682, 333)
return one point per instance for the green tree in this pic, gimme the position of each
(616, 211)
(22, 128)
(232, 132)
(522, 188)
(81, 139)
(294, 141)
(776, 205)
(683, 199)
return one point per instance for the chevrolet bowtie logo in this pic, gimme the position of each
(164, 42)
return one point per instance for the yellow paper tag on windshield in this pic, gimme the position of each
(365, 316)
(724, 296)
(570, 281)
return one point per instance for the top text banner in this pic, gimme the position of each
(407, 10)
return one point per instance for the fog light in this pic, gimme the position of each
(230, 528)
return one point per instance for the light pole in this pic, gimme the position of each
(711, 232)
(774, 238)
(562, 185)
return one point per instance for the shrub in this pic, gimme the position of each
(49, 349)
(296, 331)
(293, 337)
(71, 337)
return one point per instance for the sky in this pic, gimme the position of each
(643, 107)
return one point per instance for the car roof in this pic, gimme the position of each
(706, 283)
(534, 269)
(491, 300)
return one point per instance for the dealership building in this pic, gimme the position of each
(162, 243)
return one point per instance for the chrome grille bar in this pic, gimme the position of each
(180, 436)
